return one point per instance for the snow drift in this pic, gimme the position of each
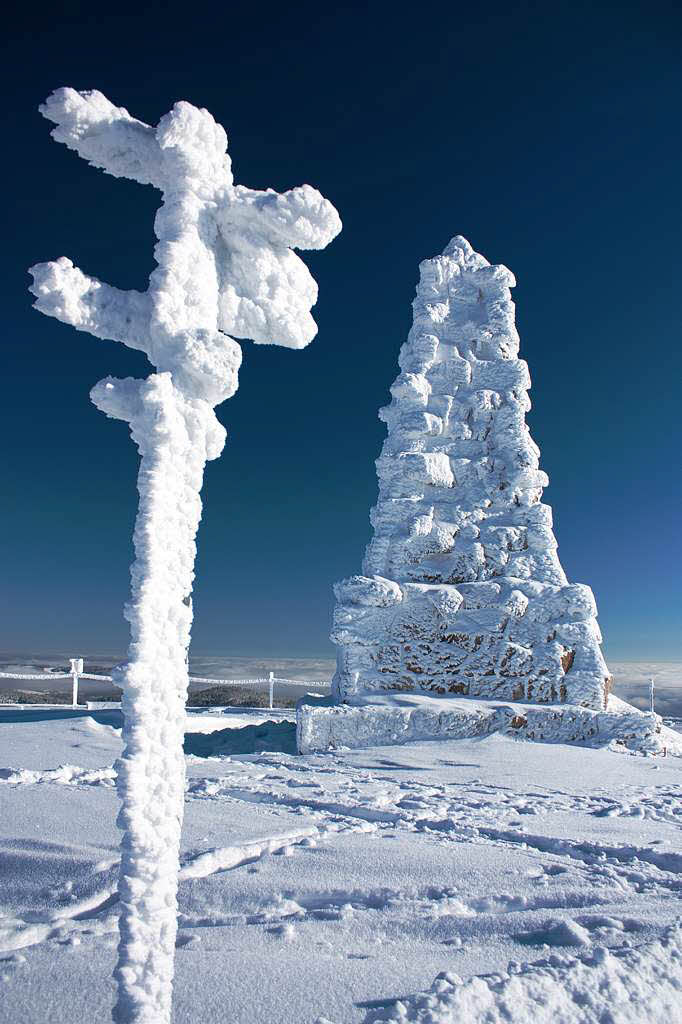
(627, 986)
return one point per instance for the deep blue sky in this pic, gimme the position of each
(548, 134)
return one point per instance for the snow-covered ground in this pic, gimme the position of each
(338, 887)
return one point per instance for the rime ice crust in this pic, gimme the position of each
(224, 252)
(463, 592)
(225, 266)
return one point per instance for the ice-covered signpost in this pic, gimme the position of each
(225, 269)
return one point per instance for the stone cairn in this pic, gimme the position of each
(463, 592)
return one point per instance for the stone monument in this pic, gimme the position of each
(462, 593)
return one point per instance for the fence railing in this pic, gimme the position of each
(76, 673)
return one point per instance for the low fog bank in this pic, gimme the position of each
(631, 682)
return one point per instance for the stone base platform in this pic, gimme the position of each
(322, 724)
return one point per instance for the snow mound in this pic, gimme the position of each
(627, 986)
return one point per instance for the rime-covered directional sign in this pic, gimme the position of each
(225, 270)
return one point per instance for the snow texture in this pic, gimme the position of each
(462, 591)
(334, 887)
(628, 986)
(225, 267)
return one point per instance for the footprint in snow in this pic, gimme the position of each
(557, 933)
(286, 932)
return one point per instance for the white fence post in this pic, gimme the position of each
(76, 671)
(271, 681)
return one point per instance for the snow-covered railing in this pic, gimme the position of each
(50, 675)
(77, 674)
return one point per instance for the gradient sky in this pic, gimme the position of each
(547, 134)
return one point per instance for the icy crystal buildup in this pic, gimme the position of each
(226, 269)
(463, 592)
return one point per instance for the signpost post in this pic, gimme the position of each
(76, 671)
